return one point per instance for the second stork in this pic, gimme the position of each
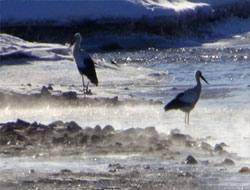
(185, 101)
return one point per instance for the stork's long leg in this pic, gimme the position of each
(185, 119)
(188, 118)
(83, 85)
(87, 88)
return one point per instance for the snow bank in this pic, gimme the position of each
(124, 24)
(13, 47)
(61, 11)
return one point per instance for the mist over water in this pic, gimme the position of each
(222, 111)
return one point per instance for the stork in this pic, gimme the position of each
(84, 62)
(185, 101)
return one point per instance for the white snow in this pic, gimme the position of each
(13, 46)
(63, 11)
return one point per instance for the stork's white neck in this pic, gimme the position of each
(77, 45)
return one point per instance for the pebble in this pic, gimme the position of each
(71, 95)
(178, 138)
(190, 160)
(108, 129)
(84, 139)
(21, 123)
(65, 171)
(244, 170)
(147, 167)
(218, 148)
(32, 171)
(73, 126)
(45, 91)
(174, 131)
(95, 139)
(228, 162)
(206, 147)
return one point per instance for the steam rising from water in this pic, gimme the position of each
(226, 125)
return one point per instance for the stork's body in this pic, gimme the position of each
(85, 64)
(185, 101)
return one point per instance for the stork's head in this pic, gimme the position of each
(77, 38)
(198, 75)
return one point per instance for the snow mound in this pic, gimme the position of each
(14, 47)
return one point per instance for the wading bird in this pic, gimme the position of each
(185, 101)
(85, 64)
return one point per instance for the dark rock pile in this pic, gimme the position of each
(67, 138)
(22, 137)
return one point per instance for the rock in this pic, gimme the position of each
(97, 129)
(178, 138)
(108, 129)
(223, 144)
(228, 162)
(21, 138)
(116, 166)
(65, 171)
(71, 95)
(49, 87)
(57, 140)
(45, 91)
(73, 127)
(3, 141)
(244, 170)
(118, 144)
(114, 100)
(95, 139)
(21, 124)
(190, 160)
(147, 167)
(190, 144)
(130, 131)
(8, 128)
(58, 123)
(151, 131)
(88, 130)
(160, 147)
(84, 139)
(174, 131)
(218, 148)
(153, 140)
(32, 171)
(206, 147)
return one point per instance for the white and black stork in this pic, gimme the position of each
(85, 64)
(185, 101)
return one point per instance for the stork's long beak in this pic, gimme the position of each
(204, 79)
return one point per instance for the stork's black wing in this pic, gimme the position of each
(176, 103)
(89, 70)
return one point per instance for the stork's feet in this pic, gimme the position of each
(88, 92)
